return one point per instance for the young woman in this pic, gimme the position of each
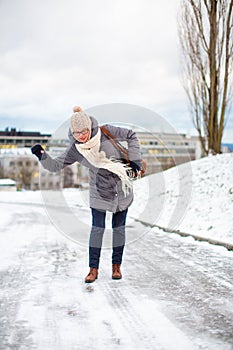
(110, 180)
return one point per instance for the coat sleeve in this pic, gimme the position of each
(70, 156)
(129, 136)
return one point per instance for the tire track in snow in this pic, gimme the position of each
(146, 325)
(126, 313)
(170, 271)
(13, 285)
(163, 269)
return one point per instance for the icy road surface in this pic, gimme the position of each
(176, 294)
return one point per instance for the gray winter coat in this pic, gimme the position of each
(104, 186)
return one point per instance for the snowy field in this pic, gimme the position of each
(176, 293)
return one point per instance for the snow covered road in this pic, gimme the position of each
(175, 293)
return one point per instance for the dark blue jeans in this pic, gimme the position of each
(96, 236)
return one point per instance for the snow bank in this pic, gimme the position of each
(211, 207)
(204, 193)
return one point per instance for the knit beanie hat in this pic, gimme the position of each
(79, 121)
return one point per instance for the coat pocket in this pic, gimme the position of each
(106, 184)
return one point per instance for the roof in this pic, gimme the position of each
(7, 182)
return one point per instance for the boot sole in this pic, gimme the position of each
(89, 281)
(116, 278)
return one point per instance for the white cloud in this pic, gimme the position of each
(57, 53)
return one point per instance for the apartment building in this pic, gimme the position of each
(164, 150)
(11, 138)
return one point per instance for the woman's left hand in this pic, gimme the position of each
(136, 168)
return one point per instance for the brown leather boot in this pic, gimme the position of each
(92, 275)
(116, 272)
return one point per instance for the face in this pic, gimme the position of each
(82, 135)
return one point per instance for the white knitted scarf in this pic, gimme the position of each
(90, 151)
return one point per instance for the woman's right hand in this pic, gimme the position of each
(38, 150)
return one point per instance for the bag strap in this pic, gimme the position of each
(122, 149)
(115, 143)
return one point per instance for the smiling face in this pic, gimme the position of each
(80, 125)
(82, 135)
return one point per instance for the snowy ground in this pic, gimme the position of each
(176, 293)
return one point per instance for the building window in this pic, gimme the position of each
(153, 151)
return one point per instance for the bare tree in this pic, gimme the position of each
(206, 37)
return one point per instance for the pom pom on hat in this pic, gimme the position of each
(79, 120)
(77, 109)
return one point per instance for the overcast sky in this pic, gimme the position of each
(55, 54)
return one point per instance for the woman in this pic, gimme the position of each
(110, 180)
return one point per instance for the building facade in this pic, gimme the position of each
(11, 138)
(24, 168)
(160, 151)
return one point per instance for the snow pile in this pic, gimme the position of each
(197, 197)
(211, 207)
